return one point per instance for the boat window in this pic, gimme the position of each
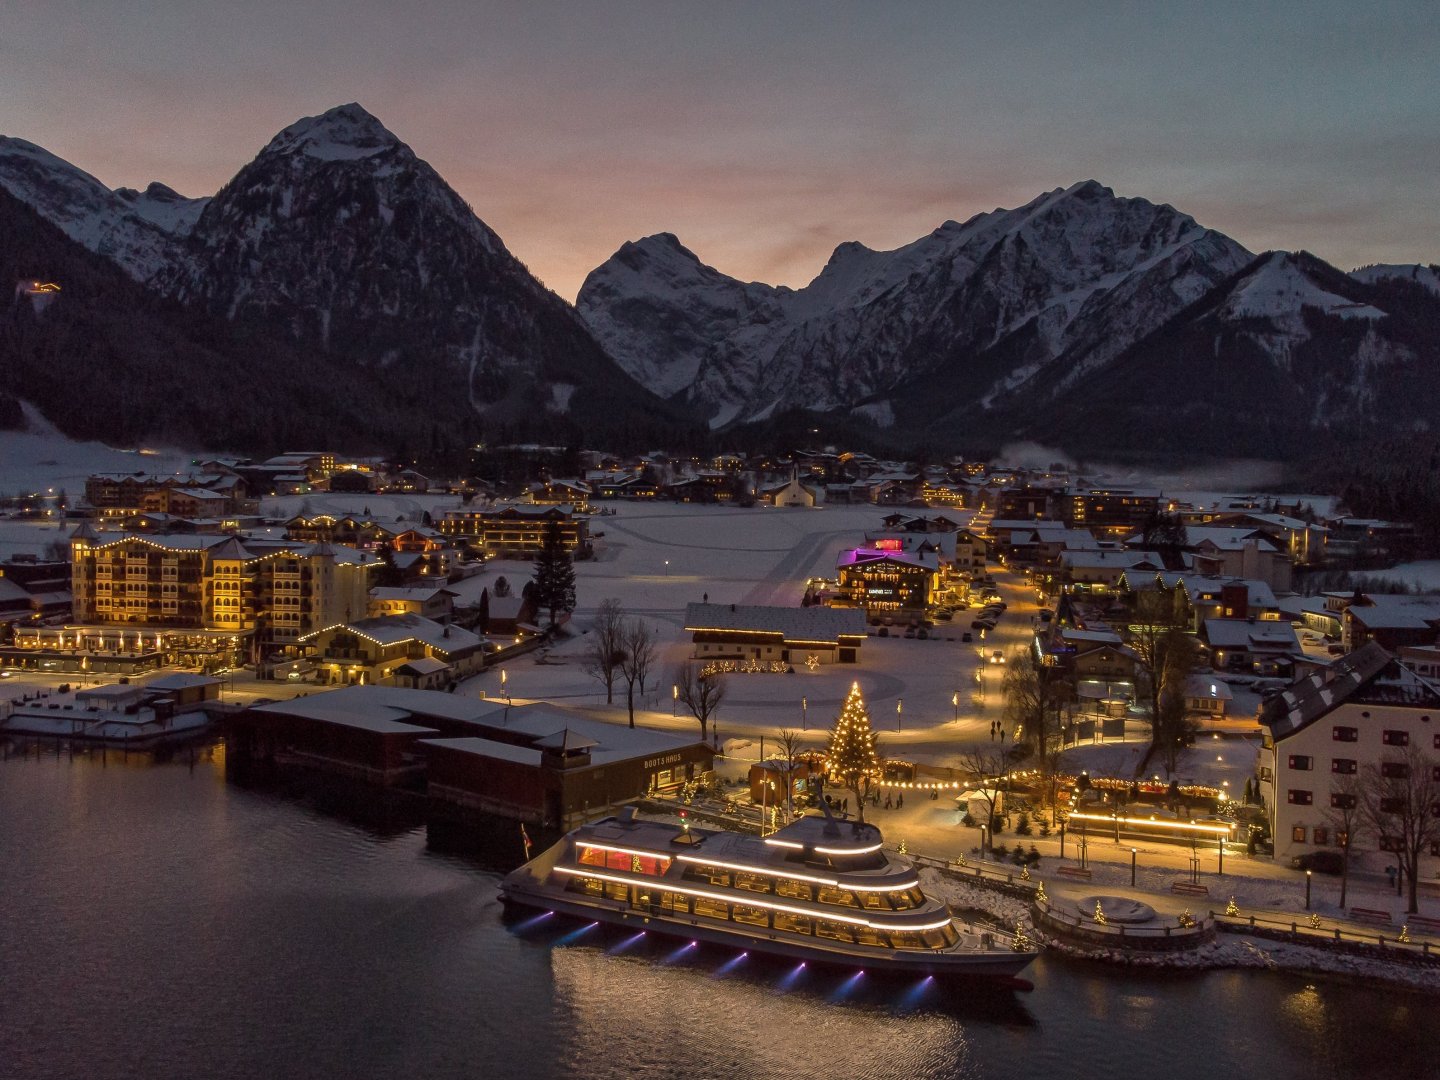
(796, 924)
(676, 902)
(716, 909)
(617, 892)
(906, 939)
(835, 931)
(796, 890)
(868, 935)
(908, 899)
(941, 937)
(590, 885)
(590, 856)
(829, 894)
(711, 874)
(875, 901)
(753, 882)
(753, 915)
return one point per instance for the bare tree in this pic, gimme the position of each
(603, 652)
(1346, 818)
(637, 654)
(789, 740)
(1401, 804)
(1165, 654)
(987, 762)
(1173, 730)
(1035, 693)
(701, 694)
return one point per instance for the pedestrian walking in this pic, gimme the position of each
(887, 802)
(900, 801)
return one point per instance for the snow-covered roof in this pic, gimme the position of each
(1398, 611)
(793, 623)
(394, 629)
(1268, 634)
(416, 595)
(1206, 686)
(488, 748)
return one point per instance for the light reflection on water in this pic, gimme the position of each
(632, 1017)
(158, 921)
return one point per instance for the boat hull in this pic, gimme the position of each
(1002, 966)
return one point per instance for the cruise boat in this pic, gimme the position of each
(817, 890)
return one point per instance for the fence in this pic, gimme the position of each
(1116, 935)
(1331, 936)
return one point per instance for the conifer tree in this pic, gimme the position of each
(554, 574)
(853, 746)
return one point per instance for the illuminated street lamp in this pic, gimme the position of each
(899, 708)
(804, 711)
(955, 700)
(1308, 875)
(674, 700)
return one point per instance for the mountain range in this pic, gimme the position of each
(1080, 320)
(342, 251)
(338, 290)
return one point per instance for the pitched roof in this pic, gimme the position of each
(794, 623)
(1250, 633)
(1361, 672)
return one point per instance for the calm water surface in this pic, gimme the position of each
(157, 921)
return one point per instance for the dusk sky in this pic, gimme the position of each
(764, 134)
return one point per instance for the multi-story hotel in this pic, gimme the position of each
(1328, 730)
(143, 601)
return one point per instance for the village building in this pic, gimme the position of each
(1109, 513)
(1336, 724)
(380, 651)
(789, 635)
(1207, 696)
(1391, 620)
(575, 493)
(515, 532)
(536, 763)
(893, 583)
(792, 492)
(144, 601)
(1264, 647)
(429, 603)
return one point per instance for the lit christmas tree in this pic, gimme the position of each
(852, 754)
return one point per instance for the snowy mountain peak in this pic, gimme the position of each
(162, 205)
(344, 133)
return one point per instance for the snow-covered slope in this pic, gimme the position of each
(1279, 287)
(138, 231)
(1427, 276)
(1070, 279)
(163, 206)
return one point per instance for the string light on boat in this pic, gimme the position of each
(731, 898)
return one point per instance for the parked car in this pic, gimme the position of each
(944, 616)
(1322, 862)
(997, 657)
